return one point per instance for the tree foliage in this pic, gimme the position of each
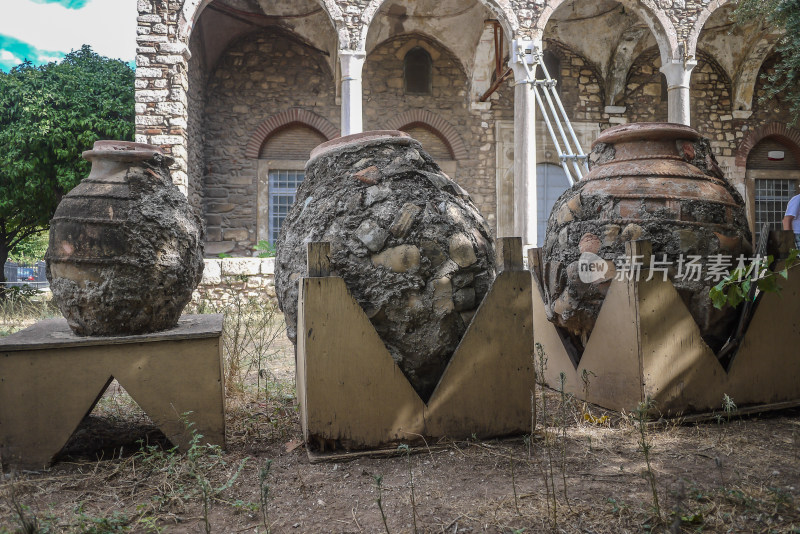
(784, 83)
(48, 115)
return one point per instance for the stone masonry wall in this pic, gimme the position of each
(161, 83)
(224, 278)
(383, 90)
(195, 131)
(258, 76)
(581, 86)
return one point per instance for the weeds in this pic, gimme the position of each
(640, 417)
(379, 499)
(203, 458)
(403, 448)
(263, 484)
(251, 328)
(546, 464)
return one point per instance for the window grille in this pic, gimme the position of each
(283, 186)
(771, 197)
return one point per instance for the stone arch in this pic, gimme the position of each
(656, 19)
(747, 75)
(501, 8)
(776, 130)
(285, 118)
(702, 17)
(191, 10)
(434, 122)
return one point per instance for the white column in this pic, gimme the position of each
(352, 62)
(679, 73)
(525, 201)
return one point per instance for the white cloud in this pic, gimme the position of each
(5, 55)
(109, 26)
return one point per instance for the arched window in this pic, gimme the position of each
(282, 160)
(775, 175)
(434, 145)
(418, 72)
(551, 181)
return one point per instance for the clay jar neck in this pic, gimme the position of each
(111, 159)
(647, 141)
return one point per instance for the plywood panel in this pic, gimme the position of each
(351, 390)
(47, 388)
(487, 386)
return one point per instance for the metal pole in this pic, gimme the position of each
(564, 113)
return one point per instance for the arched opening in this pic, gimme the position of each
(281, 170)
(773, 177)
(263, 74)
(551, 182)
(417, 72)
(435, 145)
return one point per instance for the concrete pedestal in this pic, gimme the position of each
(50, 379)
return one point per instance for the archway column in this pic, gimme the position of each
(679, 73)
(525, 190)
(352, 62)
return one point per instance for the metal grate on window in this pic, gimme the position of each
(282, 191)
(771, 197)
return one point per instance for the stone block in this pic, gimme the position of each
(241, 266)
(212, 272)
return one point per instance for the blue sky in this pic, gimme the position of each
(45, 30)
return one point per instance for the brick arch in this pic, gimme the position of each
(437, 124)
(776, 130)
(284, 118)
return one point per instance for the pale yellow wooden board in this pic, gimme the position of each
(351, 390)
(646, 344)
(46, 392)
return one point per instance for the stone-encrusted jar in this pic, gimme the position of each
(409, 243)
(653, 181)
(126, 249)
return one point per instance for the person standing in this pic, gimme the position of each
(791, 220)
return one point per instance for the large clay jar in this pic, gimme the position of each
(409, 243)
(653, 181)
(126, 249)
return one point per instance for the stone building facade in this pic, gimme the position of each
(239, 91)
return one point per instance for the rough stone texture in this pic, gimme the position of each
(225, 280)
(125, 250)
(416, 288)
(671, 203)
(257, 76)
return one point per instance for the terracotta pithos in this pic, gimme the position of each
(126, 249)
(407, 240)
(653, 181)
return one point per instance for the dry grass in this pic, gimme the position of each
(119, 474)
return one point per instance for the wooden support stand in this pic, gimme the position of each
(50, 379)
(352, 394)
(645, 343)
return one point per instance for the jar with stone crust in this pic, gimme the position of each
(408, 241)
(653, 181)
(126, 249)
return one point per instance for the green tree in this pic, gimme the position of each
(48, 116)
(783, 14)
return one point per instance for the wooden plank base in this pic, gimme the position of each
(50, 379)
(352, 395)
(645, 343)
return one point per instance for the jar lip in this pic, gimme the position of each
(647, 131)
(363, 138)
(122, 151)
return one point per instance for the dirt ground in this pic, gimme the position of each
(576, 473)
